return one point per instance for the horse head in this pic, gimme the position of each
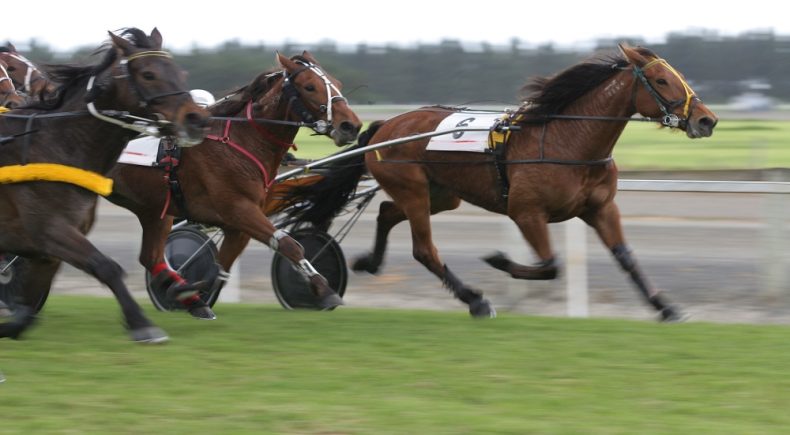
(155, 87)
(8, 95)
(27, 78)
(315, 96)
(665, 93)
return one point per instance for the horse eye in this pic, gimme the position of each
(148, 75)
(661, 82)
(309, 88)
(11, 69)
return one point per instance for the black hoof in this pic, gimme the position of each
(481, 308)
(202, 312)
(330, 302)
(673, 315)
(18, 322)
(364, 264)
(498, 260)
(149, 334)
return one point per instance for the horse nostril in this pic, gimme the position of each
(196, 120)
(347, 127)
(708, 122)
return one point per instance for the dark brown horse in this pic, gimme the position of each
(225, 182)
(9, 98)
(28, 79)
(136, 87)
(555, 167)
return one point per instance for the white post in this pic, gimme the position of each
(231, 293)
(576, 267)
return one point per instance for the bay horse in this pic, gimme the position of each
(70, 141)
(557, 166)
(226, 181)
(9, 98)
(28, 79)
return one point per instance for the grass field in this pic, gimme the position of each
(260, 369)
(747, 144)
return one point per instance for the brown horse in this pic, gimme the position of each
(70, 140)
(9, 98)
(557, 166)
(225, 182)
(27, 78)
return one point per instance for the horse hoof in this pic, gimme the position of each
(481, 308)
(202, 313)
(364, 264)
(673, 315)
(498, 260)
(330, 302)
(149, 334)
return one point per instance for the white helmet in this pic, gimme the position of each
(202, 98)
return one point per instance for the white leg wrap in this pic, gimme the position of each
(223, 276)
(307, 268)
(274, 242)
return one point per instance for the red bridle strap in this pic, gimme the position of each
(266, 133)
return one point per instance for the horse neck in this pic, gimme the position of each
(590, 139)
(88, 142)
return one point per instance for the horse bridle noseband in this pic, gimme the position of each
(296, 105)
(669, 119)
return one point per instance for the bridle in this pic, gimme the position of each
(31, 68)
(296, 105)
(5, 77)
(669, 119)
(145, 126)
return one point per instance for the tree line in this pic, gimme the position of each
(455, 72)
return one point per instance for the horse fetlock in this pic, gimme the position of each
(366, 263)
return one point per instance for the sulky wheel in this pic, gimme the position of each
(326, 256)
(187, 243)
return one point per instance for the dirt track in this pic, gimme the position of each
(705, 251)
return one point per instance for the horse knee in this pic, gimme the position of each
(104, 269)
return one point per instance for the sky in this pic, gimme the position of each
(65, 25)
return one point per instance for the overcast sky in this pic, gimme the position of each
(64, 25)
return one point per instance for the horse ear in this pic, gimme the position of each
(631, 55)
(156, 38)
(284, 62)
(121, 43)
(11, 47)
(306, 54)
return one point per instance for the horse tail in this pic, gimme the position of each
(318, 203)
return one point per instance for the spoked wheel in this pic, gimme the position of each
(12, 271)
(326, 256)
(193, 254)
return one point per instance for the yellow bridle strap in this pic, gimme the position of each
(53, 172)
(149, 53)
(4, 109)
(689, 92)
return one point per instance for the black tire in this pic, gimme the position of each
(182, 243)
(11, 282)
(326, 256)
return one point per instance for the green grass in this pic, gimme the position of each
(748, 144)
(260, 369)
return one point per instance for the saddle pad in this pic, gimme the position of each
(141, 151)
(469, 141)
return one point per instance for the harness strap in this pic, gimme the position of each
(266, 133)
(225, 138)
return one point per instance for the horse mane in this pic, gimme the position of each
(71, 76)
(551, 95)
(259, 86)
(4, 49)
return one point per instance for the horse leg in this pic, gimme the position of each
(233, 244)
(606, 222)
(36, 284)
(535, 231)
(248, 218)
(152, 257)
(417, 208)
(65, 242)
(389, 216)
